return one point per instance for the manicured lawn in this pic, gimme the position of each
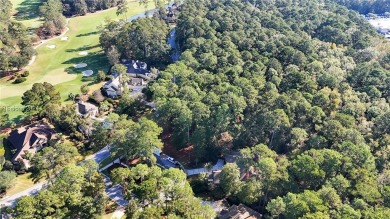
(22, 182)
(27, 12)
(56, 65)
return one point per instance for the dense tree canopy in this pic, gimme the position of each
(54, 21)
(6, 180)
(128, 138)
(81, 7)
(15, 45)
(366, 6)
(301, 86)
(76, 193)
(141, 39)
(48, 162)
(169, 188)
(39, 98)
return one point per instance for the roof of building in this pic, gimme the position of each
(137, 80)
(85, 107)
(239, 212)
(215, 176)
(113, 85)
(136, 67)
(231, 157)
(113, 82)
(24, 138)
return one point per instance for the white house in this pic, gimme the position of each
(113, 87)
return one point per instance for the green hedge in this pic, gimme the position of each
(20, 80)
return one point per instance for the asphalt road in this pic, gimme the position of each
(10, 201)
(100, 155)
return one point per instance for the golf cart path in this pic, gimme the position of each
(48, 40)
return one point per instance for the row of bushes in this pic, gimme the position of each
(22, 77)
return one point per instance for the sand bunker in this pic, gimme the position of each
(87, 73)
(64, 38)
(80, 65)
(83, 53)
(51, 46)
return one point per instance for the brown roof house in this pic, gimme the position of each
(239, 212)
(30, 139)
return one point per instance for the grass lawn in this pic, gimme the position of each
(27, 12)
(22, 182)
(56, 65)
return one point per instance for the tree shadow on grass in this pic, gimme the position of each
(96, 61)
(83, 48)
(91, 79)
(8, 151)
(28, 9)
(87, 34)
(19, 119)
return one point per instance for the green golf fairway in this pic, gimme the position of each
(55, 65)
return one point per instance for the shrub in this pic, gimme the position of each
(108, 77)
(25, 74)
(84, 89)
(110, 100)
(71, 96)
(20, 80)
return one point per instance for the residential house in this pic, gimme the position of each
(136, 68)
(113, 87)
(231, 157)
(30, 139)
(239, 212)
(87, 109)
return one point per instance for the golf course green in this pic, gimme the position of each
(55, 65)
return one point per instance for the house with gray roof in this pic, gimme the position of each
(136, 68)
